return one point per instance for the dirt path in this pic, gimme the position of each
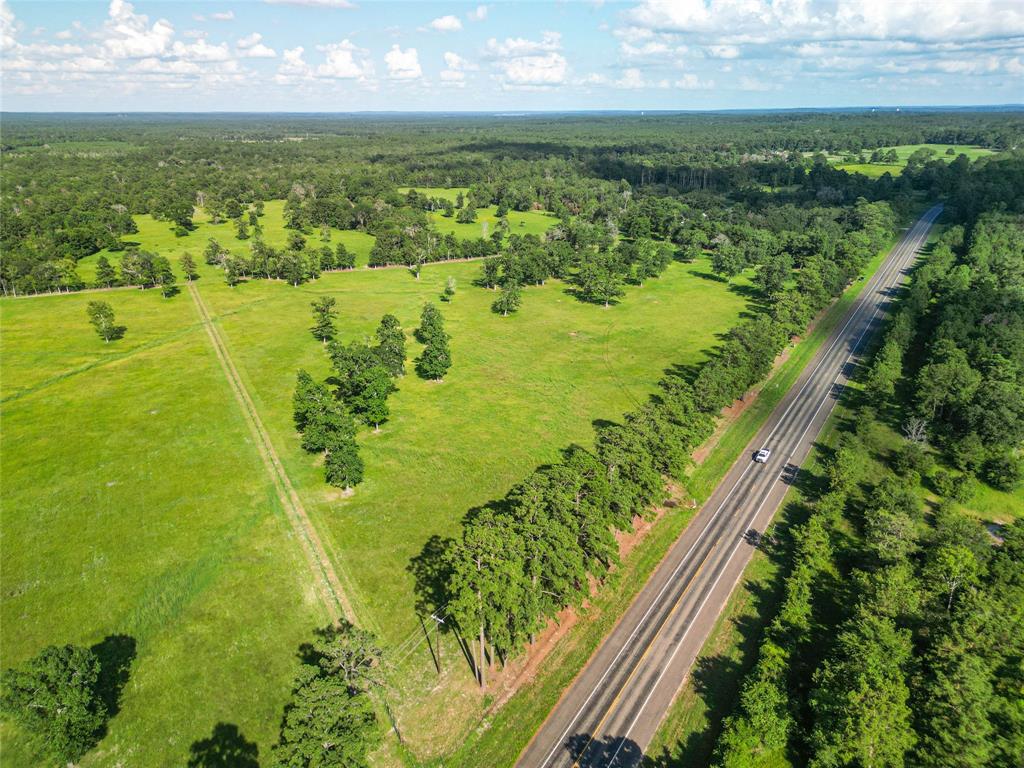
(325, 578)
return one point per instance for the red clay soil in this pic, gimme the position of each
(521, 671)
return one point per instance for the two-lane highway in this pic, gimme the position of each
(613, 708)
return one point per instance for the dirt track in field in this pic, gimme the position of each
(325, 578)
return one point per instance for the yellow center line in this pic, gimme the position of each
(640, 661)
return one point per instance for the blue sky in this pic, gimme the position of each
(349, 55)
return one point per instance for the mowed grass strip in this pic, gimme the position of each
(521, 389)
(134, 504)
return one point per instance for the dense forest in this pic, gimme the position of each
(899, 636)
(71, 187)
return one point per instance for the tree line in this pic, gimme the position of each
(901, 630)
(521, 560)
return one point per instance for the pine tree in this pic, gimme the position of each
(165, 276)
(105, 274)
(330, 721)
(489, 275)
(860, 702)
(323, 318)
(304, 401)
(214, 254)
(188, 267)
(370, 401)
(391, 345)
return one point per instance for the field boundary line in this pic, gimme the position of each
(329, 588)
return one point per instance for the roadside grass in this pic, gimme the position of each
(696, 712)
(134, 505)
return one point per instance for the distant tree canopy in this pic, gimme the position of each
(58, 206)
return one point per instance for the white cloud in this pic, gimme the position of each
(160, 66)
(8, 27)
(456, 68)
(690, 82)
(549, 69)
(315, 3)
(477, 14)
(223, 16)
(251, 47)
(258, 51)
(344, 61)
(129, 35)
(293, 65)
(631, 80)
(446, 24)
(522, 62)
(403, 65)
(64, 34)
(767, 21)
(453, 61)
(201, 50)
(520, 46)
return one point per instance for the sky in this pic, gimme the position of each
(366, 55)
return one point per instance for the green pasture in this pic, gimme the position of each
(135, 503)
(903, 152)
(135, 507)
(520, 222)
(520, 389)
(158, 237)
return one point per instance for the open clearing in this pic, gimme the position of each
(903, 152)
(135, 502)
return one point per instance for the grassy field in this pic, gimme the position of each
(520, 222)
(135, 503)
(521, 388)
(134, 506)
(903, 152)
(159, 237)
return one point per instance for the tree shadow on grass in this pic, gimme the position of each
(116, 654)
(225, 748)
(432, 573)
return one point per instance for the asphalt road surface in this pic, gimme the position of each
(613, 708)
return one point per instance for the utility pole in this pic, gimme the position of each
(438, 621)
